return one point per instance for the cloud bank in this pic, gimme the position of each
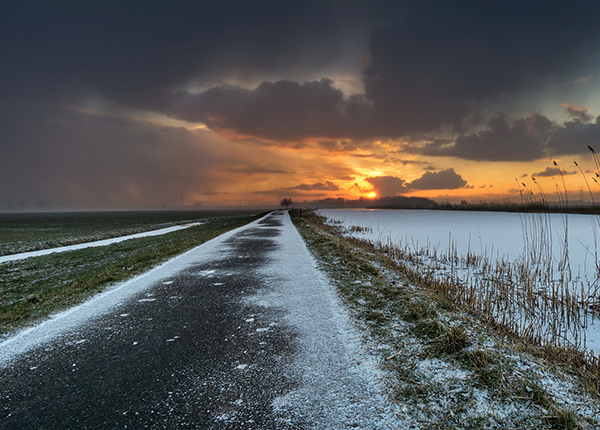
(271, 74)
(443, 180)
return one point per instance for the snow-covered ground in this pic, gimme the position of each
(491, 234)
(23, 255)
(534, 242)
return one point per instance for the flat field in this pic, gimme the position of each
(26, 232)
(36, 287)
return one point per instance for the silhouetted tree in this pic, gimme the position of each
(286, 202)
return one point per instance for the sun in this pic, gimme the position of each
(373, 194)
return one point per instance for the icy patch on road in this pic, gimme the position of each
(209, 273)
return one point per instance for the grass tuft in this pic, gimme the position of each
(376, 317)
(475, 359)
(452, 341)
(419, 311)
(564, 419)
(429, 329)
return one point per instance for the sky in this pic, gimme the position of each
(139, 104)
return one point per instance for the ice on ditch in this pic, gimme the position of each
(543, 258)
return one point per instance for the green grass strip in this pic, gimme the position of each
(34, 288)
(32, 232)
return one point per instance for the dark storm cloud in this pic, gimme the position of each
(579, 112)
(573, 137)
(552, 171)
(70, 159)
(523, 140)
(430, 70)
(424, 73)
(444, 180)
(131, 51)
(387, 185)
(138, 54)
(281, 110)
(427, 66)
(429, 63)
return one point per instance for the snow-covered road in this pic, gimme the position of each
(241, 332)
(159, 232)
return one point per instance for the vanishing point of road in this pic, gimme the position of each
(243, 332)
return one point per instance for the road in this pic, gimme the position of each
(241, 332)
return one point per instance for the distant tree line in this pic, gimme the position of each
(394, 202)
(507, 205)
(403, 202)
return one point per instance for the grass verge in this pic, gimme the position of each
(35, 231)
(33, 288)
(445, 367)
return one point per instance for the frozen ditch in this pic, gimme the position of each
(535, 273)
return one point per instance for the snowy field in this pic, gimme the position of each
(558, 253)
(488, 234)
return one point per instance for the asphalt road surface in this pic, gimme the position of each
(240, 333)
